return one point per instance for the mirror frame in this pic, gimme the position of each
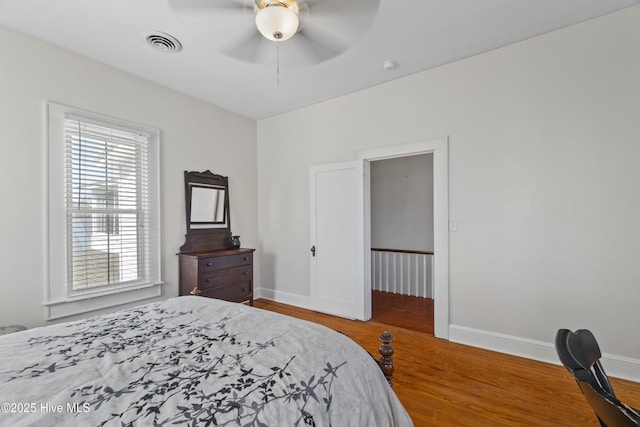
(216, 237)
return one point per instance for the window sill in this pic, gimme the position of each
(88, 302)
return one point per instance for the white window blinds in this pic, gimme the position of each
(106, 202)
(103, 208)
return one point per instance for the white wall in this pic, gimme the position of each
(402, 203)
(194, 136)
(544, 146)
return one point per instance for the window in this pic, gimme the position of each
(103, 212)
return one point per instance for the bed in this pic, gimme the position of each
(192, 361)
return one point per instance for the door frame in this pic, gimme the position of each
(439, 147)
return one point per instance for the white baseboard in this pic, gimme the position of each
(616, 366)
(283, 297)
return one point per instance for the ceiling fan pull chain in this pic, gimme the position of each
(278, 65)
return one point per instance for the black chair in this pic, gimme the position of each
(580, 354)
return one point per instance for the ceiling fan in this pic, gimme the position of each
(302, 32)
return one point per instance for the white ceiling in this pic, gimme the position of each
(415, 34)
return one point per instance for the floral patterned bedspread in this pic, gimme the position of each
(195, 362)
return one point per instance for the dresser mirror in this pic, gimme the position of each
(207, 212)
(207, 207)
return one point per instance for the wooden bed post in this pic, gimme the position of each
(386, 361)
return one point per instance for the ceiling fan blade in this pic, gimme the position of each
(328, 29)
(336, 8)
(344, 20)
(210, 7)
(310, 47)
(252, 47)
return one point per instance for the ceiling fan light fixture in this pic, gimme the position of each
(278, 21)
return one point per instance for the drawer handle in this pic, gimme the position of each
(207, 280)
(209, 264)
(244, 273)
(246, 258)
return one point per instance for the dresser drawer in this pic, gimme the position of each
(217, 263)
(227, 276)
(237, 292)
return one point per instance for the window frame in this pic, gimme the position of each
(61, 300)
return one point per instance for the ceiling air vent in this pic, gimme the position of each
(163, 42)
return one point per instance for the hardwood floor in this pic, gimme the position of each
(404, 311)
(447, 384)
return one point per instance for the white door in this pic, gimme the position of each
(340, 239)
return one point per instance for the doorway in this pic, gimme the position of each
(402, 241)
(439, 149)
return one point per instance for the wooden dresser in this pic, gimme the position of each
(225, 274)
